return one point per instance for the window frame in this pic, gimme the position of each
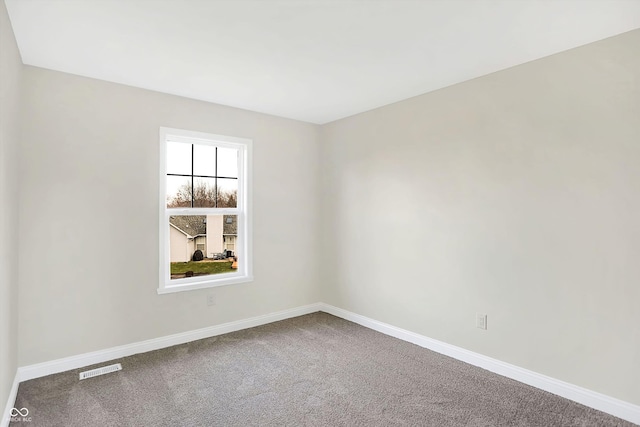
(243, 245)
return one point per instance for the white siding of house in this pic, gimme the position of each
(214, 234)
(180, 246)
(201, 240)
(230, 243)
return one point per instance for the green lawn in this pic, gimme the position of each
(201, 267)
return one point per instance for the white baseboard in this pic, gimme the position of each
(619, 408)
(65, 364)
(11, 401)
(601, 402)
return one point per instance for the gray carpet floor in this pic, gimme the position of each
(314, 370)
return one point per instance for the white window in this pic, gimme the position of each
(205, 184)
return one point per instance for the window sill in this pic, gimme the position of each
(169, 289)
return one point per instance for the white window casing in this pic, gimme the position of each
(242, 211)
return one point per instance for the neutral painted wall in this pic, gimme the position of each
(90, 174)
(10, 84)
(516, 195)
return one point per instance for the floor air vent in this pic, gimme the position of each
(100, 371)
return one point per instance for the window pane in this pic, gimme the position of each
(227, 193)
(204, 160)
(204, 193)
(179, 158)
(189, 233)
(178, 192)
(228, 162)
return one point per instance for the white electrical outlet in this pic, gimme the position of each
(481, 321)
(211, 300)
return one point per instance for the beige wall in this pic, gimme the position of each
(90, 166)
(516, 195)
(10, 84)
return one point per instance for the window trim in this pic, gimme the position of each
(244, 246)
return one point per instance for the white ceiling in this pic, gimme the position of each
(311, 60)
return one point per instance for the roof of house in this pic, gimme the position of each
(191, 225)
(195, 225)
(230, 225)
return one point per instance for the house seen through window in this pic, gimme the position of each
(204, 212)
